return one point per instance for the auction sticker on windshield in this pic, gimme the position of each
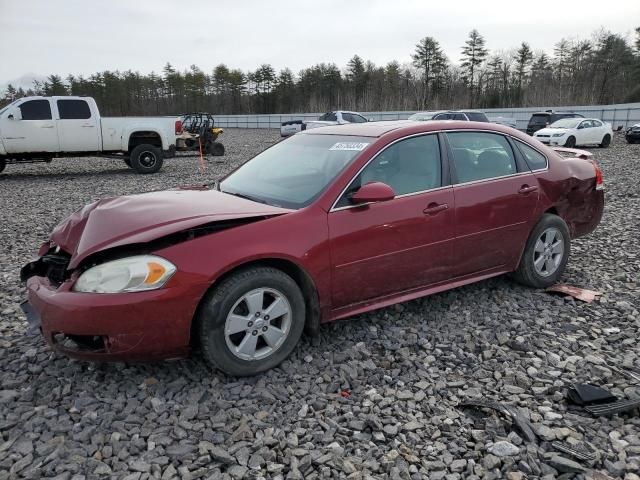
(349, 146)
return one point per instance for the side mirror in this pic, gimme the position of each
(373, 192)
(15, 114)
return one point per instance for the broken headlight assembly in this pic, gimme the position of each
(131, 274)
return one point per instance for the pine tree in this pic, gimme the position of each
(429, 59)
(473, 55)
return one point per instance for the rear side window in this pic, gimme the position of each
(540, 119)
(358, 119)
(479, 156)
(535, 160)
(73, 110)
(36, 110)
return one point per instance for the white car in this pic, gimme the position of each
(572, 132)
(339, 117)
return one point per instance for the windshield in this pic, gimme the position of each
(295, 171)
(421, 117)
(566, 123)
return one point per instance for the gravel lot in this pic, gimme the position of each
(373, 397)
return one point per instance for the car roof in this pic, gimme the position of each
(378, 129)
(556, 113)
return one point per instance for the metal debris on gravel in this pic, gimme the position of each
(405, 368)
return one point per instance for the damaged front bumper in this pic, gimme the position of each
(137, 326)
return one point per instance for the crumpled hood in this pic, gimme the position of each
(142, 218)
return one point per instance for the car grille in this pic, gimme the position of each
(56, 266)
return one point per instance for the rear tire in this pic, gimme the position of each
(146, 159)
(546, 253)
(631, 141)
(606, 141)
(217, 149)
(235, 332)
(571, 142)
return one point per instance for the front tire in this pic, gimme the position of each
(546, 253)
(571, 142)
(606, 141)
(251, 322)
(146, 159)
(3, 164)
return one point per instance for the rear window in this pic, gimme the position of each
(73, 110)
(539, 119)
(477, 117)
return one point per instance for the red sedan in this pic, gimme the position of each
(329, 223)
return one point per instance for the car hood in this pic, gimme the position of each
(551, 131)
(135, 219)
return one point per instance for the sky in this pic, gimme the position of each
(40, 37)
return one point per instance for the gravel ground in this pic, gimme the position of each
(376, 396)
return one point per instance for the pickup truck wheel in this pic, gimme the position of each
(251, 322)
(146, 159)
(3, 164)
(546, 253)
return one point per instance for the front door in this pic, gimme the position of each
(77, 127)
(495, 197)
(35, 132)
(388, 247)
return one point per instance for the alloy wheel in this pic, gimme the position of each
(548, 252)
(258, 324)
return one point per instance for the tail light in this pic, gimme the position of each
(599, 181)
(178, 127)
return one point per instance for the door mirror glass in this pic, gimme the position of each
(373, 192)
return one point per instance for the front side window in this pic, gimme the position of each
(460, 116)
(408, 166)
(295, 171)
(36, 110)
(358, 118)
(477, 117)
(480, 155)
(535, 160)
(585, 124)
(73, 110)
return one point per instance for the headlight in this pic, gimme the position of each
(558, 135)
(132, 274)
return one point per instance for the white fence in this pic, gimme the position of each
(624, 115)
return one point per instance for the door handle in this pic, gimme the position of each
(46, 126)
(525, 189)
(434, 208)
(88, 126)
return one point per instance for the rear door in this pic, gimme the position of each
(389, 247)
(78, 126)
(35, 132)
(496, 195)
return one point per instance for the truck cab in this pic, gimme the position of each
(50, 124)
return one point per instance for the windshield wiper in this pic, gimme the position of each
(247, 197)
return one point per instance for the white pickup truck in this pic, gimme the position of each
(339, 117)
(36, 129)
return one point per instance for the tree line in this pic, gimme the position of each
(602, 69)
